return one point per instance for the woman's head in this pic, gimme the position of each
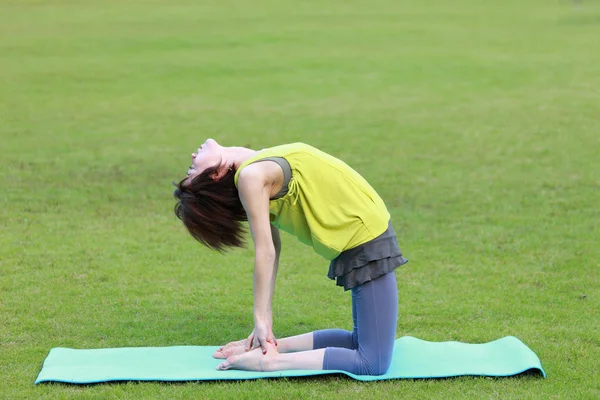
(208, 201)
(208, 155)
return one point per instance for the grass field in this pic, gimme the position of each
(477, 122)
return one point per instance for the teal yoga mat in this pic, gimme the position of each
(413, 358)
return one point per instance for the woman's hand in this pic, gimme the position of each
(250, 343)
(262, 334)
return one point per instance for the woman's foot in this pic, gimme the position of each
(231, 349)
(253, 360)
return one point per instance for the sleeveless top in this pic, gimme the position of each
(328, 205)
(354, 265)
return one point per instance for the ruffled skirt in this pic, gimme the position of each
(368, 261)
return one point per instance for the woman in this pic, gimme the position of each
(326, 205)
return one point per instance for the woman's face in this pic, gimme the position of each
(208, 155)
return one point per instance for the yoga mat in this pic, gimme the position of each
(413, 358)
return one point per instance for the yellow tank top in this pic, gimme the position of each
(328, 206)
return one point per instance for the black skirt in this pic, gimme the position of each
(368, 261)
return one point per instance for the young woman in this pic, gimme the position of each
(326, 205)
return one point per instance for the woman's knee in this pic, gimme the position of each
(358, 362)
(380, 368)
(377, 364)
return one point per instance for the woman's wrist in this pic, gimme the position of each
(262, 318)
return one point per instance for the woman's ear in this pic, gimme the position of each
(220, 173)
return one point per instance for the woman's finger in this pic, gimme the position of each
(250, 342)
(263, 347)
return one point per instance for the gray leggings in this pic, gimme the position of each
(367, 350)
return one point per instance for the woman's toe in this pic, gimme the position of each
(225, 365)
(219, 354)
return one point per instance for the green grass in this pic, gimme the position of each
(478, 123)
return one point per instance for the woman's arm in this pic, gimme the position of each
(254, 190)
(277, 243)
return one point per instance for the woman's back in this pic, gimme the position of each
(328, 206)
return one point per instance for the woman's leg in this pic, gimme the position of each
(290, 344)
(375, 314)
(337, 337)
(255, 360)
(307, 341)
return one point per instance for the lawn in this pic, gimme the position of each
(477, 122)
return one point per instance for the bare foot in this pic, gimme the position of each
(253, 360)
(231, 349)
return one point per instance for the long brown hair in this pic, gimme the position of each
(211, 210)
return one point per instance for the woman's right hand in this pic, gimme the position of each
(262, 334)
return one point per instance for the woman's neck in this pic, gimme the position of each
(235, 156)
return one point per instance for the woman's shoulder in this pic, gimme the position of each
(282, 148)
